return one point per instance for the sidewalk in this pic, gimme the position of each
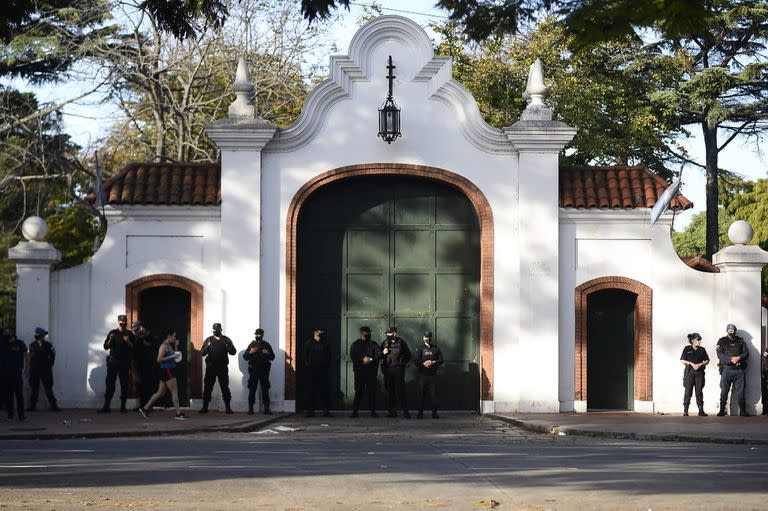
(637, 426)
(86, 423)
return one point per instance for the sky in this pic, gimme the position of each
(87, 120)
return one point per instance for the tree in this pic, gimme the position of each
(604, 92)
(692, 240)
(169, 90)
(748, 201)
(724, 89)
(587, 21)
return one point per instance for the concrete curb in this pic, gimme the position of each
(553, 429)
(241, 427)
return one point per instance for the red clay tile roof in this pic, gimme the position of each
(165, 184)
(700, 263)
(613, 187)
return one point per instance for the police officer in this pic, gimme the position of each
(695, 360)
(14, 355)
(395, 357)
(146, 362)
(365, 354)
(317, 360)
(216, 350)
(259, 355)
(428, 358)
(732, 352)
(42, 356)
(120, 342)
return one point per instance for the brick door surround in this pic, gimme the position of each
(132, 302)
(485, 219)
(643, 349)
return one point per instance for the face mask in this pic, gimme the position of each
(366, 336)
(259, 337)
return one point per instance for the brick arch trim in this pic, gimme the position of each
(643, 349)
(133, 301)
(485, 219)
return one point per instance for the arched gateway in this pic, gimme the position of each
(393, 244)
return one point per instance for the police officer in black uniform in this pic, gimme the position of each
(259, 355)
(395, 357)
(695, 360)
(317, 360)
(216, 350)
(365, 354)
(428, 358)
(146, 362)
(14, 357)
(42, 356)
(120, 342)
(732, 352)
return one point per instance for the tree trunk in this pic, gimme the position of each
(712, 188)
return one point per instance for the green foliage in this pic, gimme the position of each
(41, 39)
(607, 92)
(72, 229)
(692, 241)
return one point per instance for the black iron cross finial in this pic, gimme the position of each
(390, 76)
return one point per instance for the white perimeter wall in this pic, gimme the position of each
(86, 300)
(596, 243)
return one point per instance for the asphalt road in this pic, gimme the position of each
(459, 462)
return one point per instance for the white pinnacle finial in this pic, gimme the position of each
(536, 91)
(242, 107)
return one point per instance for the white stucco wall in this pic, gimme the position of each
(541, 253)
(86, 300)
(595, 243)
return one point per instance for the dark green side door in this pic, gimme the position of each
(610, 349)
(400, 251)
(166, 307)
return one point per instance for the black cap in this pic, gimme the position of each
(259, 331)
(217, 327)
(392, 330)
(122, 318)
(694, 335)
(365, 329)
(428, 334)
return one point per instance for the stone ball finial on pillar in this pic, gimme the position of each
(740, 232)
(34, 228)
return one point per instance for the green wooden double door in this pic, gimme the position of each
(392, 250)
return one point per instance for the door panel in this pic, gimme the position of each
(166, 307)
(405, 252)
(610, 349)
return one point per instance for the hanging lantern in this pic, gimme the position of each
(389, 114)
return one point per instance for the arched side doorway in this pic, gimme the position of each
(614, 324)
(170, 301)
(426, 174)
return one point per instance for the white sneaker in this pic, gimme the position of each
(181, 417)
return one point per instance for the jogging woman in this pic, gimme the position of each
(167, 356)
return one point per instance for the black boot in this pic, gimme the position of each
(685, 410)
(228, 408)
(267, 411)
(721, 413)
(204, 409)
(105, 408)
(250, 407)
(743, 410)
(123, 409)
(54, 407)
(702, 413)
